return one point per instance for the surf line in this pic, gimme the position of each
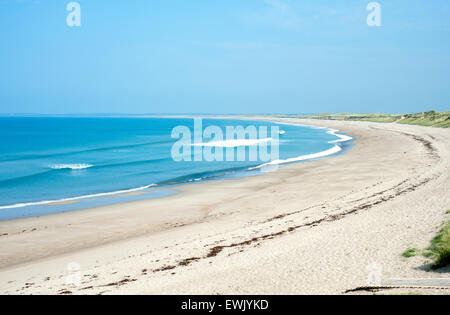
(47, 202)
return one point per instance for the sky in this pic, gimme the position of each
(224, 56)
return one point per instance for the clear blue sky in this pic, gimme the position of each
(224, 56)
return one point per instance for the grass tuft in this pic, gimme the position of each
(439, 249)
(410, 252)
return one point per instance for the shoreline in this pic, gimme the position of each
(97, 198)
(269, 234)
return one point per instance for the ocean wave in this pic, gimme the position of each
(334, 132)
(70, 166)
(49, 155)
(333, 150)
(85, 166)
(342, 138)
(139, 162)
(49, 202)
(195, 177)
(14, 180)
(52, 169)
(233, 143)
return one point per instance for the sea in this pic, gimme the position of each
(59, 164)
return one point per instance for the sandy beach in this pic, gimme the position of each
(317, 227)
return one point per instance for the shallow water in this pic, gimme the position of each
(73, 160)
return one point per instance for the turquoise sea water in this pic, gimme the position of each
(88, 160)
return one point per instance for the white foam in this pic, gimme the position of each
(71, 166)
(233, 143)
(334, 132)
(342, 138)
(331, 151)
(48, 202)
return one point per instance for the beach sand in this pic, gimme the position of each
(318, 227)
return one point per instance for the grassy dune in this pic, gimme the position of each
(431, 118)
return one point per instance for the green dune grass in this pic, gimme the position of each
(430, 118)
(438, 251)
